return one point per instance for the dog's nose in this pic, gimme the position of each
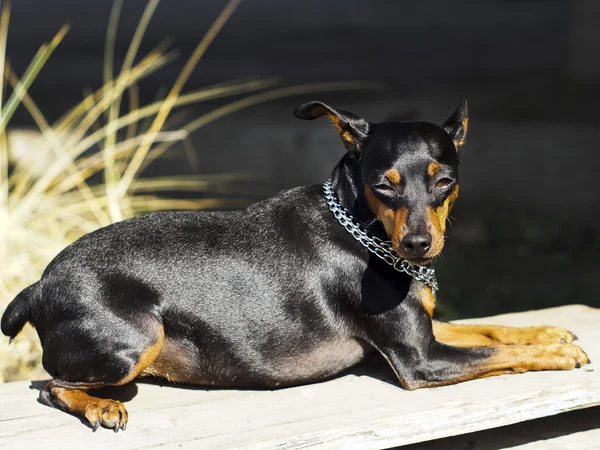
(416, 245)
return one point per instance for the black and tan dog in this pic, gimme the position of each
(278, 294)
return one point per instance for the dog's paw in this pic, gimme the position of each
(550, 335)
(543, 335)
(108, 413)
(564, 357)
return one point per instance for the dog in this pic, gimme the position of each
(292, 290)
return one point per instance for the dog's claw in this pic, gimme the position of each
(575, 338)
(577, 365)
(95, 425)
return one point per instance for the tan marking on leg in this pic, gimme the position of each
(525, 358)
(176, 363)
(72, 397)
(473, 335)
(454, 335)
(393, 176)
(98, 411)
(508, 359)
(146, 359)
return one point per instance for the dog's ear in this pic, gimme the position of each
(353, 129)
(457, 124)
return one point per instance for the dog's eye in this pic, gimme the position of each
(444, 183)
(384, 188)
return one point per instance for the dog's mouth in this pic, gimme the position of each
(420, 261)
(416, 261)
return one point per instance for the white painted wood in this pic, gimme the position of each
(364, 409)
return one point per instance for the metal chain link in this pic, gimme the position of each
(380, 248)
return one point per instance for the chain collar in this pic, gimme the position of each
(380, 248)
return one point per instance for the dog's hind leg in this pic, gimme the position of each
(70, 395)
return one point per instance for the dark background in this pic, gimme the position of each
(525, 234)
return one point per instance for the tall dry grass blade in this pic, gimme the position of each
(4, 20)
(152, 62)
(31, 73)
(146, 204)
(92, 164)
(149, 110)
(28, 77)
(110, 174)
(54, 142)
(71, 116)
(132, 52)
(193, 184)
(109, 163)
(77, 144)
(139, 35)
(109, 44)
(138, 158)
(134, 105)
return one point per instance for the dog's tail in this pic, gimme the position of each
(18, 312)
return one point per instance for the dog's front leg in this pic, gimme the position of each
(490, 335)
(438, 364)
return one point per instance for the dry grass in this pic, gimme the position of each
(48, 201)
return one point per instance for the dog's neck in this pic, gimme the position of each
(349, 188)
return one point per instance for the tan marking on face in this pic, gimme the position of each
(427, 300)
(437, 218)
(400, 218)
(433, 168)
(394, 221)
(393, 176)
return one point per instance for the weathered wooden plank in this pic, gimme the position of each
(573, 430)
(364, 409)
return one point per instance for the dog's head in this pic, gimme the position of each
(409, 173)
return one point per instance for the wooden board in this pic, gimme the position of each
(364, 409)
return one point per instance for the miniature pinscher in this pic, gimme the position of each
(291, 290)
